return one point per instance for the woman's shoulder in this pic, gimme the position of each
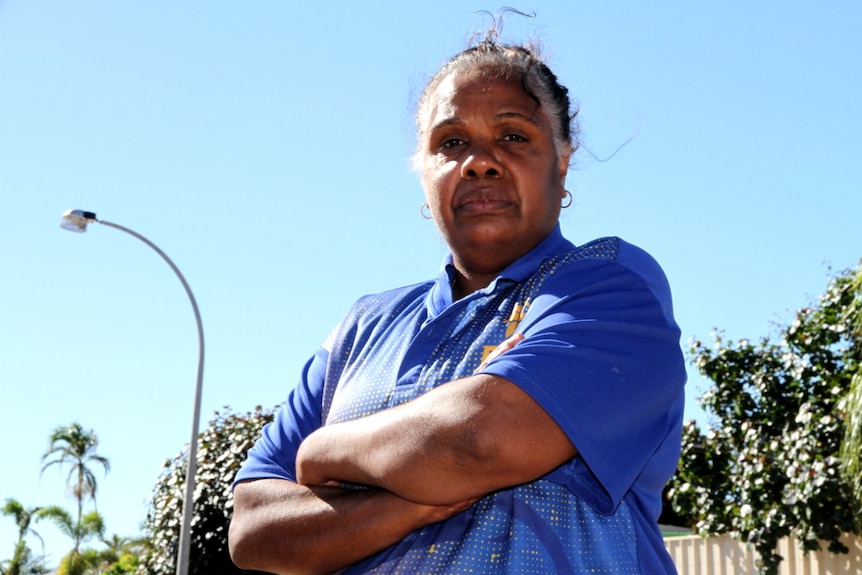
(392, 300)
(395, 294)
(612, 250)
(608, 259)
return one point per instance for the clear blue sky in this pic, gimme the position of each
(263, 145)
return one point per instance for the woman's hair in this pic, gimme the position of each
(522, 63)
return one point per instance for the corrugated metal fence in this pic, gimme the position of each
(724, 555)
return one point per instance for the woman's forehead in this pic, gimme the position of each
(466, 93)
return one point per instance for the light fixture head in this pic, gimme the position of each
(76, 220)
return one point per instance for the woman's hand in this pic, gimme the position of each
(430, 514)
(500, 350)
(281, 527)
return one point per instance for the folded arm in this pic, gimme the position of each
(281, 527)
(461, 440)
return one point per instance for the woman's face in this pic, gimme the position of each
(492, 175)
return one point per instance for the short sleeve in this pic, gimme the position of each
(274, 453)
(601, 355)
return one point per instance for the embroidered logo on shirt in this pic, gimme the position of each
(518, 314)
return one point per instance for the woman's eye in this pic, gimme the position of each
(514, 138)
(451, 143)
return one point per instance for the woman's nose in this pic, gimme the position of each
(480, 163)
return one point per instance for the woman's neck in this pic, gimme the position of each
(465, 283)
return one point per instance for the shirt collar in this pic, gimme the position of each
(518, 271)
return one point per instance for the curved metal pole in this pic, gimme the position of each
(184, 552)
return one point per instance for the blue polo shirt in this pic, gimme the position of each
(600, 354)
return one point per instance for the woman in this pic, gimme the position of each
(520, 414)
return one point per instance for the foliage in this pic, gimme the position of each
(75, 446)
(769, 466)
(851, 406)
(89, 526)
(126, 564)
(71, 445)
(22, 562)
(118, 558)
(76, 563)
(121, 554)
(222, 449)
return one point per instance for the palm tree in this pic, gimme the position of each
(21, 562)
(74, 445)
(87, 527)
(117, 546)
(119, 551)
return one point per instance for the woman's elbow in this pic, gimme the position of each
(240, 544)
(246, 531)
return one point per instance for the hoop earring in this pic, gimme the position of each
(568, 194)
(423, 213)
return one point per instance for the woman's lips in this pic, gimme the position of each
(483, 206)
(482, 201)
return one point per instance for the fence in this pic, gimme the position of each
(724, 555)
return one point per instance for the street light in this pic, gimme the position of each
(76, 221)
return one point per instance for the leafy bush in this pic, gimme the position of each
(770, 467)
(222, 448)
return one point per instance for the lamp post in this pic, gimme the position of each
(76, 221)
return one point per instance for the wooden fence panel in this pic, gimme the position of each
(724, 555)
